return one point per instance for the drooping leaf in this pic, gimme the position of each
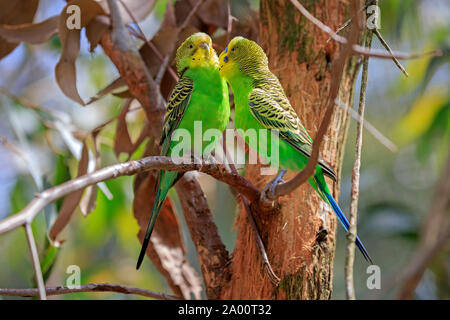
(95, 30)
(33, 33)
(71, 201)
(421, 115)
(122, 140)
(89, 200)
(65, 71)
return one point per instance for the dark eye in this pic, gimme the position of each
(232, 50)
(191, 46)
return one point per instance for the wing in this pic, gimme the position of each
(276, 113)
(178, 102)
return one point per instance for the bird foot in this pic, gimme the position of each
(269, 189)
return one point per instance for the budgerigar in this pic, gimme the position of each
(201, 95)
(260, 103)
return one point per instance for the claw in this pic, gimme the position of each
(272, 185)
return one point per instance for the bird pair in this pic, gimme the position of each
(201, 94)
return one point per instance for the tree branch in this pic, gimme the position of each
(35, 262)
(92, 287)
(357, 49)
(351, 235)
(42, 199)
(386, 45)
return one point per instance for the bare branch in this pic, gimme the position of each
(92, 287)
(357, 48)
(262, 251)
(368, 126)
(35, 262)
(41, 200)
(191, 14)
(385, 44)
(351, 235)
(435, 235)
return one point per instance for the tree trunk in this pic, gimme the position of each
(300, 254)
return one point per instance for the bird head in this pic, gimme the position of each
(196, 51)
(241, 55)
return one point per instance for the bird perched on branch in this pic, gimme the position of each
(261, 104)
(200, 96)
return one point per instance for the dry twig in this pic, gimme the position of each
(92, 287)
(351, 235)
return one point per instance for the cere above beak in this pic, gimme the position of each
(204, 45)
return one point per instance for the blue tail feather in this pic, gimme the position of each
(343, 219)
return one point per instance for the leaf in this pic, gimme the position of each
(213, 12)
(33, 33)
(421, 115)
(65, 71)
(116, 87)
(15, 13)
(89, 201)
(71, 201)
(49, 259)
(95, 30)
(166, 248)
(122, 141)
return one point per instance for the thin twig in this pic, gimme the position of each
(35, 262)
(385, 44)
(351, 234)
(92, 287)
(141, 35)
(347, 23)
(260, 244)
(191, 14)
(434, 236)
(368, 126)
(357, 48)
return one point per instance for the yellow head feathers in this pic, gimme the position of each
(242, 55)
(196, 51)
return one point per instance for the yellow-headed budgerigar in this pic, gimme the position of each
(261, 104)
(200, 96)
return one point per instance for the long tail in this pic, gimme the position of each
(165, 181)
(320, 181)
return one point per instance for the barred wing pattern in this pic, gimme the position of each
(274, 111)
(178, 102)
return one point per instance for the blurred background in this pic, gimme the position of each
(40, 147)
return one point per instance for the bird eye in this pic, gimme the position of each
(191, 46)
(232, 50)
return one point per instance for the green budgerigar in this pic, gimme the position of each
(199, 97)
(261, 104)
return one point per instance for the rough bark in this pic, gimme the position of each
(300, 254)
